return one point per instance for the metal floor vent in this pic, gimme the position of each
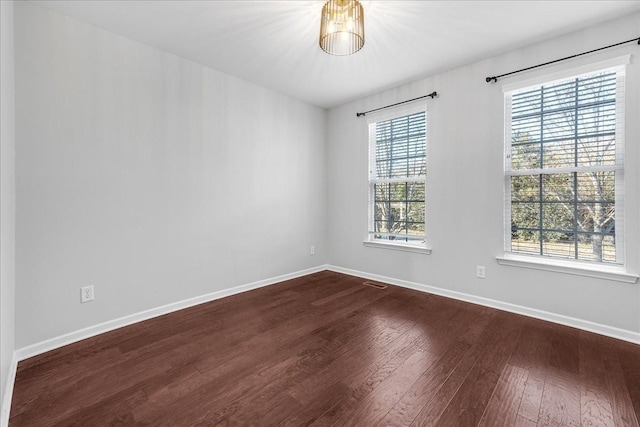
(375, 285)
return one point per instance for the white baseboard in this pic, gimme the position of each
(8, 392)
(621, 334)
(62, 340)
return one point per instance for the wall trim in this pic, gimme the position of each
(609, 331)
(91, 331)
(606, 272)
(8, 391)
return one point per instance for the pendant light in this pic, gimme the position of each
(342, 27)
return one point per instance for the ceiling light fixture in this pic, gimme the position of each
(342, 27)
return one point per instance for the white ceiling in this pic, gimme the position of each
(275, 43)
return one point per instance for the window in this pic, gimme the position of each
(397, 174)
(564, 168)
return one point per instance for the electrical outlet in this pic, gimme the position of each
(86, 294)
(312, 250)
(481, 272)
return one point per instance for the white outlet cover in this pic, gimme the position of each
(481, 272)
(86, 294)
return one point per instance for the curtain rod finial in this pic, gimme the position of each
(488, 79)
(360, 114)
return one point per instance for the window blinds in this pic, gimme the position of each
(397, 178)
(564, 167)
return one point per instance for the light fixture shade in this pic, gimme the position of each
(342, 27)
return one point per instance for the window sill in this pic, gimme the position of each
(398, 247)
(607, 272)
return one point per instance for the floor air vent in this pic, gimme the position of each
(375, 285)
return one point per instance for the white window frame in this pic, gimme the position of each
(390, 114)
(610, 271)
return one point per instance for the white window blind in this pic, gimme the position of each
(564, 168)
(397, 178)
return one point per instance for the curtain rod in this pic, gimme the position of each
(495, 78)
(432, 95)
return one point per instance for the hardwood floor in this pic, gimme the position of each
(324, 350)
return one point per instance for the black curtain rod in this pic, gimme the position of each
(432, 95)
(495, 78)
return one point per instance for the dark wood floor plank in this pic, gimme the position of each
(262, 410)
(98, 383)
(357, 363)
(341, 294)
(220, 398)
(247, 410)
(380, 340)
(424, 389)
(564, 349)
(433, 408)
(89, 391)
(451, 326)
(524, 422)
(595, 401)
(49, 378)
(162, 390)
(495, 343)
(234, 401)
(477, 327)
(469, 402)
(502, 409)
(531, 399)
(630, 363)
(506, 331)
(113, 410)
(621, 404)
(325, 349)
(375, 373)
(526, 354)
(310, 412)
(500, 333)
(560, 400)
(532, 354)
(277, 332)
(377, 403)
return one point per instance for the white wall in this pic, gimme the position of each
(465, 186)
(156, 179)
(7, 196)
(152, 178)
